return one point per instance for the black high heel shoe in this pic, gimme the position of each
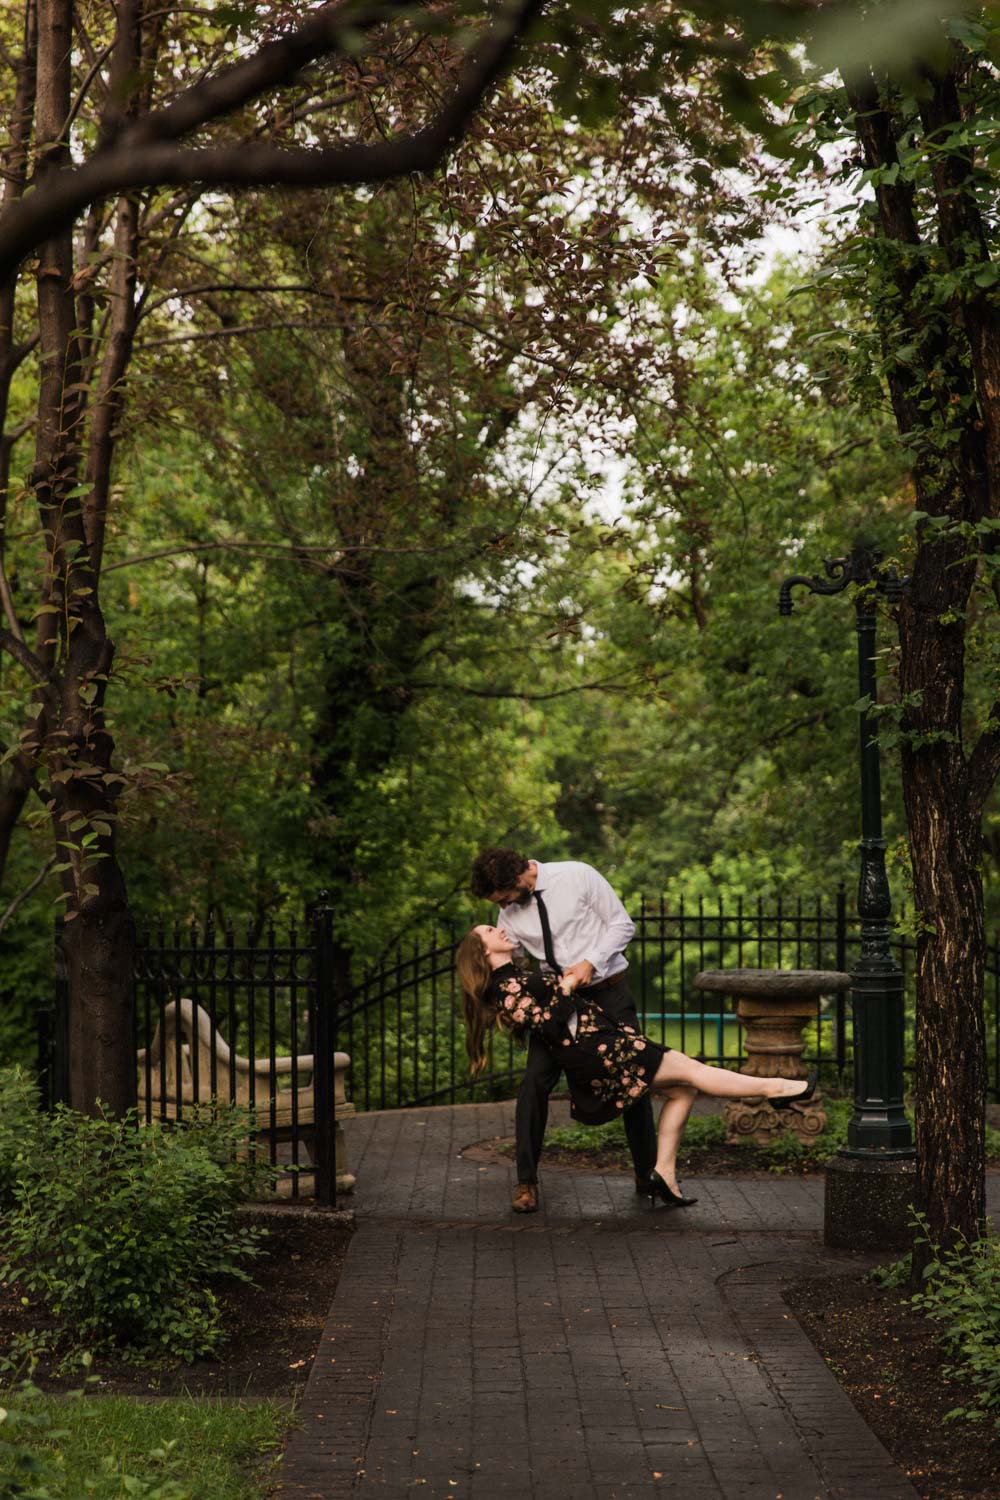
(807, 1093)
(657, 1188)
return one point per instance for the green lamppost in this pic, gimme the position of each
(869, 1184)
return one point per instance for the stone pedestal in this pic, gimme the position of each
(774, 1005)
(868, 1202)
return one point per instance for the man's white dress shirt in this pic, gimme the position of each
(586, 917)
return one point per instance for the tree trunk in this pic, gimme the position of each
(944, 816)
(940, 361)
(74, 653)
(100, 948)
(951, 1027)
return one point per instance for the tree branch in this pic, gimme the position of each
(146, 153)
(603, 685)
(294, 549)
(29, 890)
(25, 656)
(984, 761)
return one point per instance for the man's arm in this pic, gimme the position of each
(617, 926)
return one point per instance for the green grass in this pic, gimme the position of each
(114, 1448)
(784, 1153)
(702, 1130)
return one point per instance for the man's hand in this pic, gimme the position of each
(581, 973)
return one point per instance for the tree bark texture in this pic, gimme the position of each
(941, 358)
(944, 817)
(70, 741)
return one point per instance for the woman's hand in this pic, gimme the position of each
(568, 982)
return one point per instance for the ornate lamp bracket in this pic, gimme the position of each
(863, 566)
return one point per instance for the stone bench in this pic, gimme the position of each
(281, 1111)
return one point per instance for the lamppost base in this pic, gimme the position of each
(869, 1202)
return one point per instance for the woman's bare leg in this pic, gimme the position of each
(676, 1068)
(677, 1104)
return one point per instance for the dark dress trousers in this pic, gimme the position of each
(541, 1075)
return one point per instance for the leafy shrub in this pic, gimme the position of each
(120, 1231)
(961, 1292)
(587, 1137)
(788, 1149)
(704, 1131)
(19, 1127)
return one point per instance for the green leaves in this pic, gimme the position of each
(121, 1230)
(961, 1293)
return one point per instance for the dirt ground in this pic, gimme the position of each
(274, 1326)
(886, 1359)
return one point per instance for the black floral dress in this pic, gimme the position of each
(609, 1066)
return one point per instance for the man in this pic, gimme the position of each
(566, 915)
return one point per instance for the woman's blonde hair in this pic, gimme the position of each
(475, 976)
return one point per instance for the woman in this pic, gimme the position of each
(608, 1066)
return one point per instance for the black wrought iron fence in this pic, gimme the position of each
(226, 1017)
(245, 1017)
(402, 1024)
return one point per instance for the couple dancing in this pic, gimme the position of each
(579, 1016)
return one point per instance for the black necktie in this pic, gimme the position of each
(543, 917)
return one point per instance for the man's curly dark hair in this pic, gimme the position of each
(496, 870)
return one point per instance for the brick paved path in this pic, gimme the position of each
(594, 1351)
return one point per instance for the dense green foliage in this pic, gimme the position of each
(454, 511)
(20, 1129)
(123, 1233)
(111, 1448)
(960, 1291)
(647, 646)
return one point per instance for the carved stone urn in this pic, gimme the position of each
(773, 1005)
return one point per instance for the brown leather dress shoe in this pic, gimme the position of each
(525, 1199)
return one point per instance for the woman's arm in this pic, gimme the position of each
(536, 1002)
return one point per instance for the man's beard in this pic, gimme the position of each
(523, 897)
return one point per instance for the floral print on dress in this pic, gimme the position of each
(622, 1082)
(609, 1064)
(518, 1007)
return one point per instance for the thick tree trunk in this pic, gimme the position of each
(73, 648)
(944, 816)
(99, 946)
(99, 933)
(951, 1028)
(945, 389)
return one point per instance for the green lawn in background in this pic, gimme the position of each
(115, 1448)
(688, 1038)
